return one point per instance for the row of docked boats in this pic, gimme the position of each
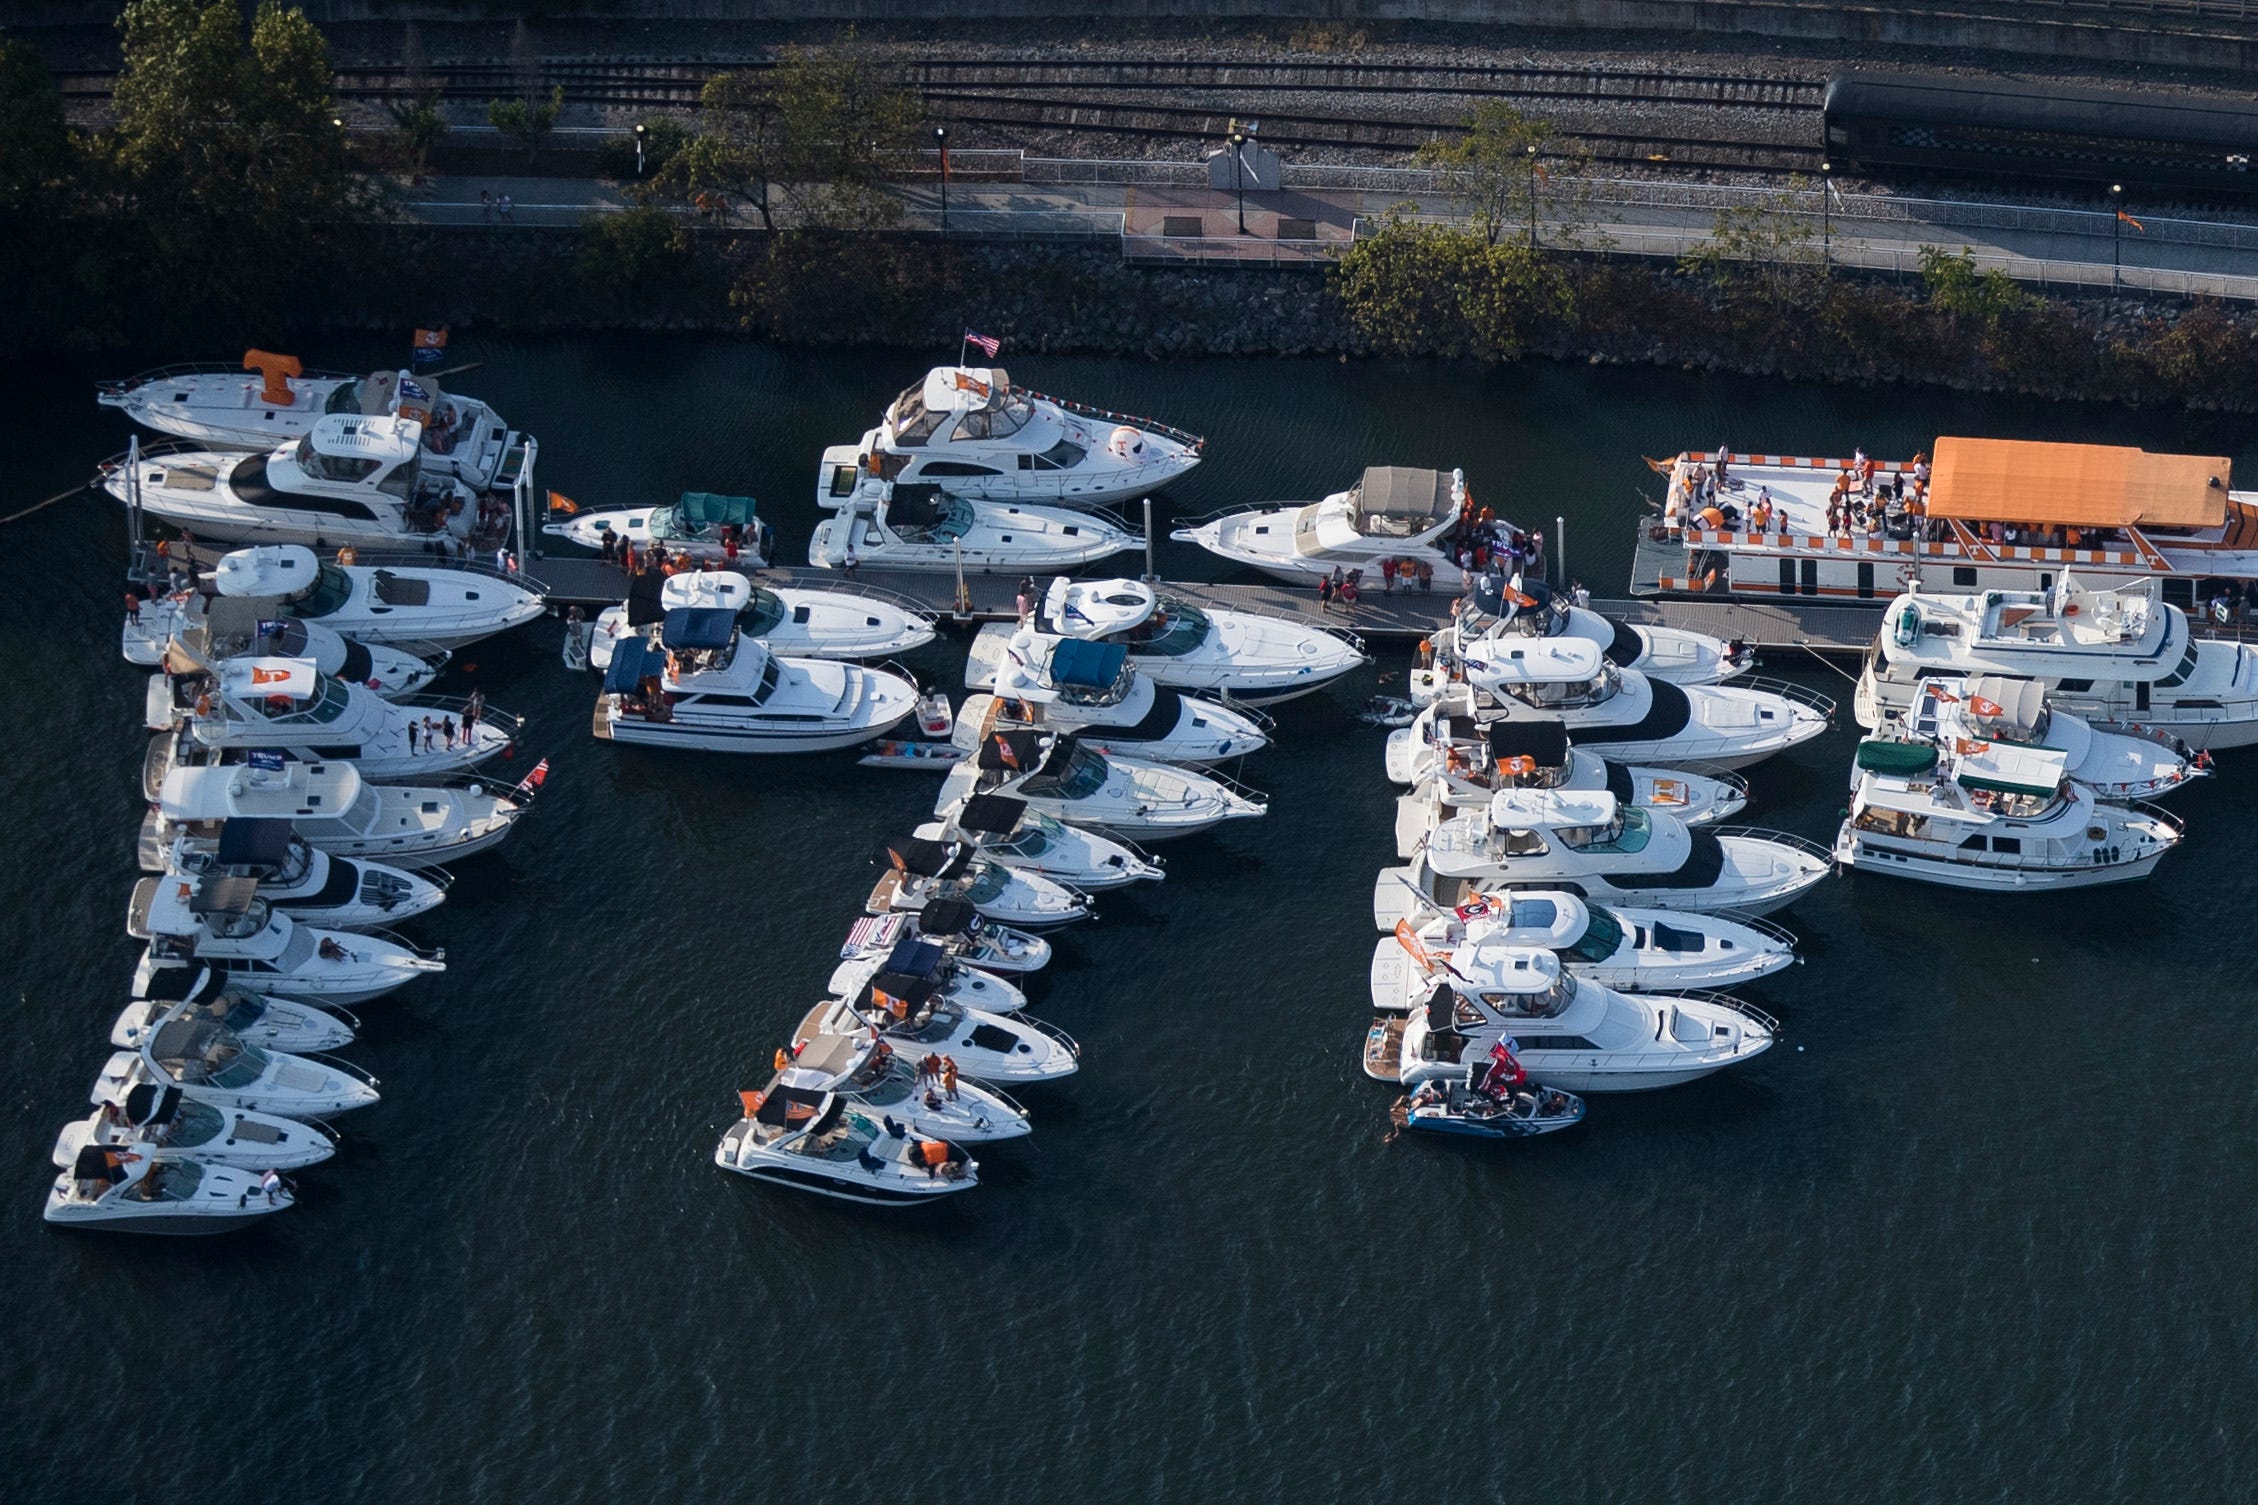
(1571, 895)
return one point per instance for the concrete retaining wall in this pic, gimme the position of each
(2038, 31)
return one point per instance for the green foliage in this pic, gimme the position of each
(421, 123)
(1426, 289)
(37, 160)
(808, 141)
(663, 137)
(527, 120)
(1769, 249)
(633, 250)
(1984, 299)
(1497, 169)
(813, 283)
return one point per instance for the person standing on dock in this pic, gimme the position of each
(1388, 576)
(1325, 593)
(610, 546)
(1426, 577)
(413, 728)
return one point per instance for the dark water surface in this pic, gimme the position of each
(1982, 1229)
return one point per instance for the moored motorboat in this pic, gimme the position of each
(261, 1019)
(221, 924)
(301, 880)
(915, 964)
(215, 627)
(1058, 775)
(1002, 828)
(210, 1064)
(2116, 762)
(1091, 689)
(846, 621)
(165, 1120)
(133, 1191)
(926, 528)
(956, 929)
(821, 1143)
(1470, 1107)
(1393, 512)
(1636, 950)
(1500, 611)
(287, 705)
(701, 525)
(991, 1047)
(444, 605)
(912, 1091)
(335, 810)
(921, 871)
(1460, 760)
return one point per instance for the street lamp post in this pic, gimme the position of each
(1532, 195)
(1236, 134)
(941, 145)
(2116, 237)
(1826, 217)
(639, 130)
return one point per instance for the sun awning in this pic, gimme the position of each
(2077, 485)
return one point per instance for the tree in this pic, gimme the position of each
(1769, 247)
(1413, 289)
(37, 160)
(1983, 299)
(527, 120)
(811, 137)
(422, 125)
(1496, 168)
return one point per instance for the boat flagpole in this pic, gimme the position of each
(1560, 548)
(1150, 577)
(133, 486)
(964, 593)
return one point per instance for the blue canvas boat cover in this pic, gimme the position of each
(701, 508)
(632, 659)
(698, 627)
(1087, 665)
(250, 842)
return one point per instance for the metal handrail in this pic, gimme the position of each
(2157, 812)
(206, 368)
(1767, 929)
(158, 449)
(1091, 410)
(427, 953)
(1073, 1045)
(1787, 690)
(416, 559)
(339, 1063)
(1749, 1011)
(1803, 844)
(847, 586)
(1714, 771)
(457, 704)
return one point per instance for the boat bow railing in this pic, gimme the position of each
(1073, 1046)
(2155, 811)
(345, 1067)
(1184, 437)
(1803, 844)
(158, 450)
(421, 953)
(1787, 690)
(123, 385)
(845, 586)
(1748, 1011)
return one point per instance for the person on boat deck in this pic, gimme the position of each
(331, 951)
(949, 1077)
(1724, 453)
(1760, 515)
(608, 545)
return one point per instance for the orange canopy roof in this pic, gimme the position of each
(2076, 485)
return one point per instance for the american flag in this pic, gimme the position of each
(987, 342)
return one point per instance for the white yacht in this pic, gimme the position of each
(1500, 614)
(1002, 828)
(971, 430)
(1994, 816)
(1636, 950)
(697, 682)
(916, 961)
(2117, 764)
(152, 1119)
(257, 1018)
(1623, 714)
(906, 527)
(441, 605)
(132, 1191)
(874, 1076)
(1567, 1033)
(987, 1046)
(286, 704)
(701, 525)
(1546, 838)
(921, 871)
(958, 930)
(832, 1148)
(210, 1065)
(1057, 775)
(224, 407)
(301, 880)
(850, 621)
(1392, 512)
(219, 923)
(1094, 691)
(349, 480)
(1240, 654)
(335, 810)
(2122, 655)
(214, 627)
(1462, 762)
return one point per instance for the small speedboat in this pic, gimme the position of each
(211, 1064)
(1091, 689)
(347, 481)
(223, 406)
(1460, 1106)
(906, 527)
(957, 929)
(990, 1047)
(973, 430)
(849, 620)
(912, 1092)
(134, 1191)
(213, 627)
(820, 1142)
(273, 1023)
(296, 878)
(1002, 828)
(436, 603)
(921, 870)
(915, 964)
(165, 1120)
(1060, 776)
(220, 924)
(331, 806)
(703, 525)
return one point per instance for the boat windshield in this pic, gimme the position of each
(1568, 694)
(913, 422)
(193, 1123)
(225, 1061)
(346, 469)
(1030, 841)
(764, 611)
(346, 399)
(1172, 630)
(1083, 776)
(173, 1181)
(1547, 621)
(1549, 1004)
(999, 422)
(237, 927)
(988, 884)
(2185, 667)
(295, 862)
(1602, 937)
(1628, 832)
(330, 590)
(326, 706)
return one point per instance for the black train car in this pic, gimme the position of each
(1877, 122)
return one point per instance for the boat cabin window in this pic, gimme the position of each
(1602, 937)
(1548, 1004)
(913, 424)
(1064, 455)
(241, 927)
(320, 467)
(400, 480)
(1569, 694)
(1628, 832)
(1083, 776)
(326, 706)
(999, 422)
(330, 590)
(1173, 629)
(346, 399)
(2185, 667)
(956, 468)
(1893, 823)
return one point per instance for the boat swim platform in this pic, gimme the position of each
(1826, 629)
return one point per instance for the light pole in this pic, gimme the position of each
(639, 129)
(1826, 217)
(1236, 134)
(2116, 237)
(941, 145)
(1532, 195)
